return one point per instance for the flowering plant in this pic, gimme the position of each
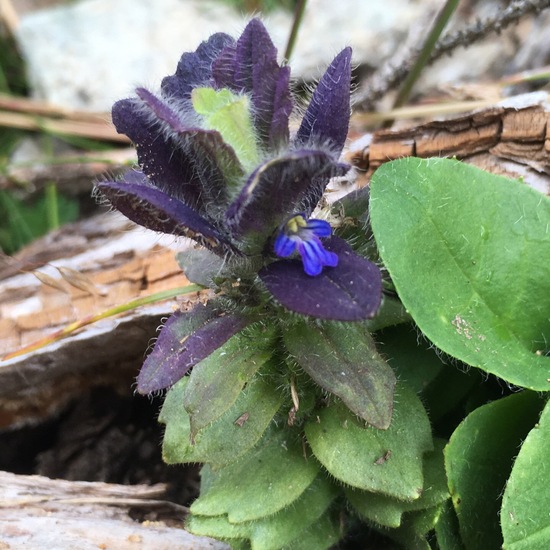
(218, 166)
(276, 385)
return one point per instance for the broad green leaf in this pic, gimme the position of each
(388, 511)
(447, 529)
(468, 253)
(324, 534)
(478, 460)
(289, 525)
(410, 356)
(226, 439)
(216, 382)
(230, 115)
(342, 359)
(525, 510)
(274, 532)
(218, 527)
(265, 480)
(411, 534)
(381, 461)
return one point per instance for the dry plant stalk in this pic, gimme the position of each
(391, 75)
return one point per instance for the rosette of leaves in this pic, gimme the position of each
(285, 385)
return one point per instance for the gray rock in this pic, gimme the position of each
(87, 54)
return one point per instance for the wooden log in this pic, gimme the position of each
(123, 262)
(511, 138)
(37, 512)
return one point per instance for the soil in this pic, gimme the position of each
(103, 436)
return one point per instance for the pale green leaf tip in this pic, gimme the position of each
(230, 115)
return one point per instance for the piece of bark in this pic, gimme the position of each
(123, 262)
(37, 512)
(511, 138)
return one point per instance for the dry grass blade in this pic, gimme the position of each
(48, 280)
(95, 130)
(78, 280)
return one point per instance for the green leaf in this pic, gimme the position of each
(229, 114)
(324, 534)
(200, 265)
(226, 439)
(218, 527)
(388, 511)
(414, 528)
(265, 480)
(447, 529)
(478, 461)
(342, 359)
(468, 253)
(381, 461)
(216, 382)
(411, 358)
(526, 502)
(290, 525)
(391, 313)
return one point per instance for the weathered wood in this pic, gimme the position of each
(37, 512)
(123, 262)
(511, 138)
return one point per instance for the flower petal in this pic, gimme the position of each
(311, 255)
(195, 69)
(277, 187)
(158, 211)
(185, 340)
(326, 120)
(351, 291)
(284, 246)
(320, 228)
(251, 66)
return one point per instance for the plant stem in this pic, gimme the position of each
(298, 16)
(52, 208)
(424, 54)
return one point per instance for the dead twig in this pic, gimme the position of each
(393, 75)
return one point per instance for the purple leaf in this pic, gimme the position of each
(277, 187)
(223, 67)
(161, 110)
(343, 360)
(351, 291)
(158, 211)
(167, 166)
(326, 120)
(189, 164)
(195, 69)
(251, 66)
(185, 340)
(282, 108)
(214, 160)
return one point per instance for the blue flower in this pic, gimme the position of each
(304, 236)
